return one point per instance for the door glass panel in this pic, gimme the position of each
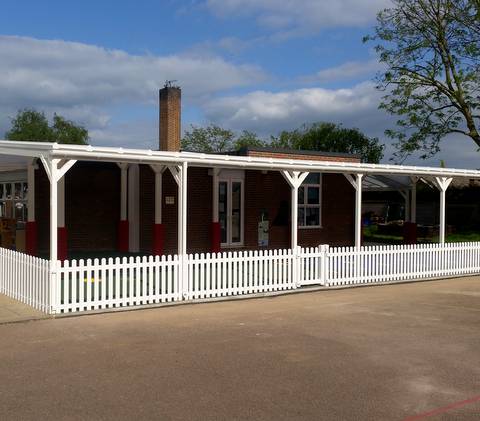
(222, 209)
(236, 211)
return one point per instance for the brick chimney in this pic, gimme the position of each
(170, 114)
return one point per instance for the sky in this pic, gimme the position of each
(260, 65)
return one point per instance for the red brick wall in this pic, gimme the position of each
(268, 191)
(92, 206)
(199, 216)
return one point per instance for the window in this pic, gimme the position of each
(13, 201)
(309, 202)
(230, 208)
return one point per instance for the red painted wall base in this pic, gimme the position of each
(158, 239)
(216, 241)
(31, 238)
(123, 236)
(410, 233)
(62, 252)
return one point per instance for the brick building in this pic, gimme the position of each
(105, 206)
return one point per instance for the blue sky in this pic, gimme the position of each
(261, 65)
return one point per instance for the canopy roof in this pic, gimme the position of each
(48, 151)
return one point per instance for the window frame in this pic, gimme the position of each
(23, 199)
(305, 205)
(231, 177)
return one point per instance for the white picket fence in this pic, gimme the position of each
(374, 264)
(114, 283)
(25, 278)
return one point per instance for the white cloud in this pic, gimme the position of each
(348, 70)
(301, 14)
(64, 74)
(272, 111)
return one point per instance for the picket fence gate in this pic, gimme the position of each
(25, 278)
(84, 285)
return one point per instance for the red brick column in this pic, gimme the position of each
(158, 239)
(123, 236)
(31, 243)
(410, 233)
(216, 238)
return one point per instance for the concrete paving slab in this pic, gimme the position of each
(12, 311)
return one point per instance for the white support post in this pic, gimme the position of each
(356, 182)
(184, 208)
(406, 196)
(442, 184)
(31, 190)
(52, 171)
(61, 202)
(295, 180)
(158, 170)
(179, 173)
(215, 174)
(413, 208)
(56, 170)
(123, 190)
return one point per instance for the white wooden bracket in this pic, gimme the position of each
(61, 165)
(443, 182)
(294, 178)
(123, 165)
(176, 173)
(352, 179)
(158, 168)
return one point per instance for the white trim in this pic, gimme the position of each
(91, 153)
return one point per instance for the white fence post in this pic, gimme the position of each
(323, 256)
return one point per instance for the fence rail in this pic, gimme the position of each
(25, 278)
(112, 283)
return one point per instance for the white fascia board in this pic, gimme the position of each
(107, 154)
